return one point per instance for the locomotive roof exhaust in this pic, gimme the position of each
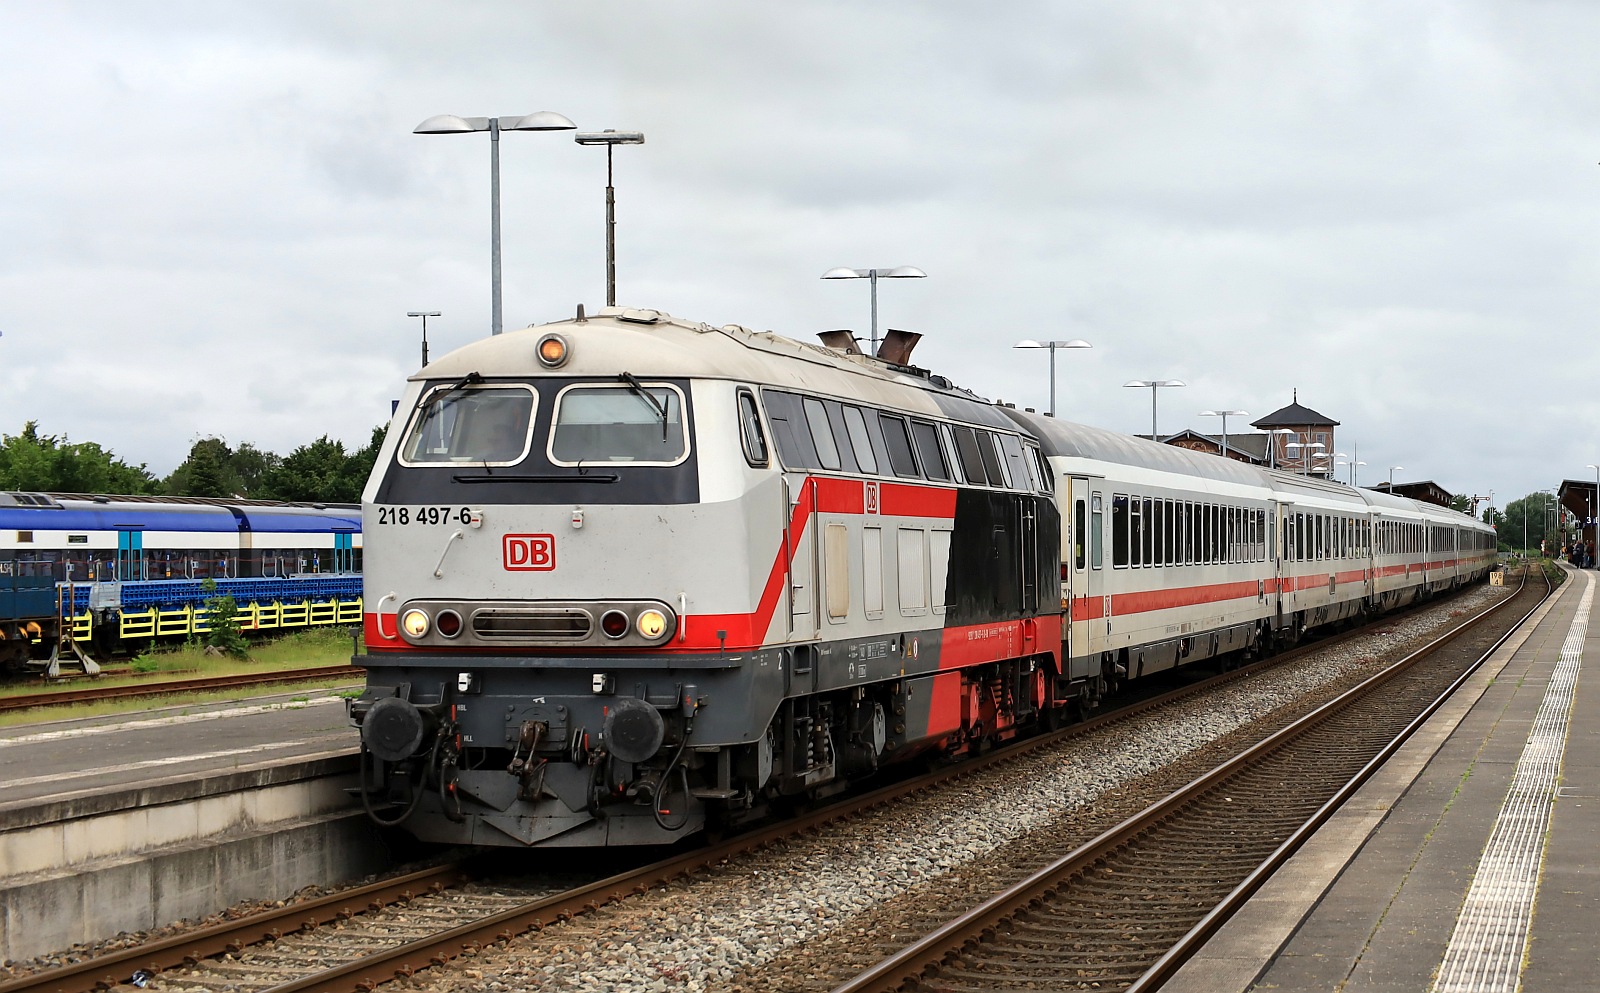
(895, 347)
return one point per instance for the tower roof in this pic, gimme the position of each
(1294, 415)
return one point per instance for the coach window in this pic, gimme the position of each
(750, 434)
(860, 442)
(1169, 530)
(1096, 531)
(927, 439)
(1158, 537)
(1135, 532)
(1148, 535)
(821, 436)
(1119, 530)
(1079, 524)
(971, 461)
(898, 440)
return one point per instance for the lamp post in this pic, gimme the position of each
(1272, 445)
(1224, 414)
(610, 139)
(424, 314)
(1592, 497)
(1305, 456)
(1155, 387)
(898, 272)
(1052, 345)
(543, 120)
(1391, 476)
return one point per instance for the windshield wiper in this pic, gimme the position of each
(470, 379)
(637, 387)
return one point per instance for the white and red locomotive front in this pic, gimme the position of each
(628, 574)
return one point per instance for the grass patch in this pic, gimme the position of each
(327, 646)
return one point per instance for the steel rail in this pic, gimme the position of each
(95, 694)
(922, 958)
(230, 937)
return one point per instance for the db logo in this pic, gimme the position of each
(529, 552)
(872, 498)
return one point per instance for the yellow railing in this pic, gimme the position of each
(184, 621)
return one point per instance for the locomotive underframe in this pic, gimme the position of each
(503, 763)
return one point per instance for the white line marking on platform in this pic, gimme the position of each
(349, 739)
(1486, 951)
(161, 722)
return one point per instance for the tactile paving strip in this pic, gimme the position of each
(1486, 950)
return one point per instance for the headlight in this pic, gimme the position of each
(448, 623)
(414, 623)
(614, 623)
(552, 350)
(651, 624)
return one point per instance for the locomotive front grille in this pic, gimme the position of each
(532, 624)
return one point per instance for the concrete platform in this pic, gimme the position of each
(135, 821)
(1470, 862)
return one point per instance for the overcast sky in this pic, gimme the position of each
(214, 217)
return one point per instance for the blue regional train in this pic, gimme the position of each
(84, 574)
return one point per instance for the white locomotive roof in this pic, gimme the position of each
(651, 344)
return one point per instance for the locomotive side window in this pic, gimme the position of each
(484, 424)
(624, 423)
(794, 448)
(856, 426)
(951, 455)
(750, 435)
(821, 434)
(991, 460)
(898, 440)
(1013, 460)
(971, 461)
(927, 438)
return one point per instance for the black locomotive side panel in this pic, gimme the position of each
(1003, 557)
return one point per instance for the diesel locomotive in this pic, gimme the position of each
(629, 576)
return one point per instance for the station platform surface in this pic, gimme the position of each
(57, 761)
(1470, 861)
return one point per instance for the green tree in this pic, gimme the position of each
(205, 473)
(1524, 522)
(35, 461)
(313, 473)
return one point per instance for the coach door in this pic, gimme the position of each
(1282, 541)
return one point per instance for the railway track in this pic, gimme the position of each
(356, 941)
(1123, 911)
(95, 694)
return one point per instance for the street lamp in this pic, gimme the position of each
(610, 139)
(1391, 476)
(1352, 466)
(1305, 456)
(898, 272)
(1155, 387)
(424, 314)
(1272, 445)
(1224, 414)
(543, 120)
(1052, 345)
